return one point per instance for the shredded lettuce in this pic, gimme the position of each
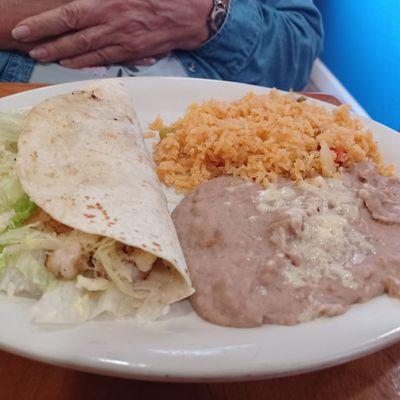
(27, 237)
(25, 274)
(23, 209)
(21, 248)
(12, 197)
(65, 303)
(92, 285)
(2, 265)
(10, 188)
(10, 128)
(15, 205)
(5, 219)
(120, 273)
(23, 256)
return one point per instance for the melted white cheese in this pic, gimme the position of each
(327, 243)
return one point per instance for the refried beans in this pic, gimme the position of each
(293, 252)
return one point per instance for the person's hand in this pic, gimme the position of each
(87, 33)
(13, 11)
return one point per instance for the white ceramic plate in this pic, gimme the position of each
(182, 347)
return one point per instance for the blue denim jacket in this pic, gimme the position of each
(264, 42)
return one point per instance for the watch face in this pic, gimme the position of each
(217, 16)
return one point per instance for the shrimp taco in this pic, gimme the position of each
(84, 223)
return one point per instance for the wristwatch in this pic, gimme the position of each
(217, 16)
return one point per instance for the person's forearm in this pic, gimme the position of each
(269, 45)
(13, 11)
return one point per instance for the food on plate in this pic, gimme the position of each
(85, 226)
(294, 251)
(260, 138)
(292, 213)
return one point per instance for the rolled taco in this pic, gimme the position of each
(89, 232)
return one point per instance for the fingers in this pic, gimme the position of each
(76, 15)
(102, 57)
(161, 55)
(144, 62)
(78, 43)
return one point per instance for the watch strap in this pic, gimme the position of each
(217, 16)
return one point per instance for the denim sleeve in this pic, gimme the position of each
(15, 67)
(264, 42)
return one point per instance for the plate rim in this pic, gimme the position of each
(131, 372)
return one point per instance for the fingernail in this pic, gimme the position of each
(144, 62)
(65, 63)
(21, 32)
(39, 53)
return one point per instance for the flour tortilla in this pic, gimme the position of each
(82, 159)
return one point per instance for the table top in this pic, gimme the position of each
(373, 377)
